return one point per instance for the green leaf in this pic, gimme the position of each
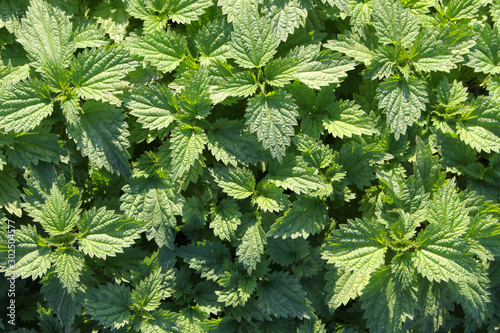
(33, 256)
(324, 69)
(185, 11)
(57, 217)
(24, 106)
(403, 100)
(440, 256)
(342, 286)
(154, 106)
(237, 182)
(148, 294)
(285, 16)
(160, 321)
(212, 40)
(113, 18)
(230, 143)
(152, 199)
(109, 305)
(272, 116)
(350, 45)
(186, 144)
(280, 71)
(9, 191)
(34, 147)
(480, 127)
(104, 233)
(68, 263)
(356, 161)
(385, 303)
(97, 73)
(225, 219)
(269, 197)
(233, 8)
(358, 245)
(206, 257)
(100, 133)
(87, 34)
(307, 216)
(253, 42)
(251, 248)
(345, 118)
(45, 33)
(294, 174)
(394, 25)
(281, 295)
(240, 84)
(194, 100)
(312, 326)
(162, 49)
(485, 55)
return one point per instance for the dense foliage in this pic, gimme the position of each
(250, 165)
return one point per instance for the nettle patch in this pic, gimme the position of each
(250, 166)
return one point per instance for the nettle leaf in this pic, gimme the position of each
(206, 257)
(442, 256)
(345, 118)
(186, 144)
(23, 106)
(9, 191)
(194, 100)
(239, 84)
(152, 199)
(97, 73)
(294, 174)
(45, 33)
(237, 182)
(162, 49)
(185, 11)
(154, 106)
(342, 286)
(269, 197)
(272, 116)
(57, 217)
(33, 256)
(281, 295)
(485, 55)
(403, 100)
(233, 8)
(394, 25)
(251, 247)
(325, 68)
(100, 133)
(307, 216)
(104, 233)
(230, 143)
(68, 263)
(109, 304)
(385, 304)
(212, 40)
(226, 217)
(285, 15)
(281, 71)
(350, 45)
(148, 294)
(35, 147)
(480, 127)
(359, 245)
(160, 321)
(253, 42)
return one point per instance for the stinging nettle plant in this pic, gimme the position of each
(250, 165)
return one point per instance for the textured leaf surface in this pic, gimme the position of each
(345, 118)
(281, 295)
(57, 216)
(154, 106)
(393, 23)
(109, 304)
(307, 216)
(185, 11)
(105, 233)
(251, 248)
(96, 73)
(272, 116)
(403, 101)
(33, 258)
(68, 263)
(237, 182)
(151, 199)
(253, 41)
(24, 106)
(162, 49)
(225, 219)
(187, 143)
(100, 132)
